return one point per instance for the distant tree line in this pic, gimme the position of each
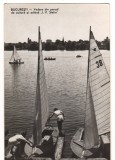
(57, 45)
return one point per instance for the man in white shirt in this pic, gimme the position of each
(60, 119)
(16, 141)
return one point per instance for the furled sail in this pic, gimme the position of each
(41, 104)
(97, 117)
(15, 55)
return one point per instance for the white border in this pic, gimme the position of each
(1, 86)
(112, 24)
(112, 38)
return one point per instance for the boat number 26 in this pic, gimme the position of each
(99, 63)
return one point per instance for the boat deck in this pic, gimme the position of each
(59, 148)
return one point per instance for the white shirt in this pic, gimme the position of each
(16, 139)
(46, 138)
(59, 115)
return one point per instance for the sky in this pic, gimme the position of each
(71, 21)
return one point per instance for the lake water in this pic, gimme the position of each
(66, 85)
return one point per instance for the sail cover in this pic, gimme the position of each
(97, 115)
(41, 104)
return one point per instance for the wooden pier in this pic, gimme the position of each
(59, 148)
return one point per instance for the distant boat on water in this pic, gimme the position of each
(15, 58)
(49, 58)
(78, 56)
(96, 130)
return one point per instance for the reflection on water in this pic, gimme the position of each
(66, 85)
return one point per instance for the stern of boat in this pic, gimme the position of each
(77, 145)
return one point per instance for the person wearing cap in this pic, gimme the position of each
(60, 119)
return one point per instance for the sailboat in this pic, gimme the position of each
(40, 129)
(87, 140)
(15, 58)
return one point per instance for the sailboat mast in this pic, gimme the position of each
(90, 125)
(37, 123)
(41, 103)
(87, 72)
(88, 55)
(39, 36)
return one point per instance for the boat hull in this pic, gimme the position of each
(16, 62)
(77, 146)
(49, 59)
(78, 56)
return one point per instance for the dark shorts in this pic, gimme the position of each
(60, 125)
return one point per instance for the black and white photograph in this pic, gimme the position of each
(57, 81)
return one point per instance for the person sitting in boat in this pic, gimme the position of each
(45, 146)
(60, 119)
(16, 141)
